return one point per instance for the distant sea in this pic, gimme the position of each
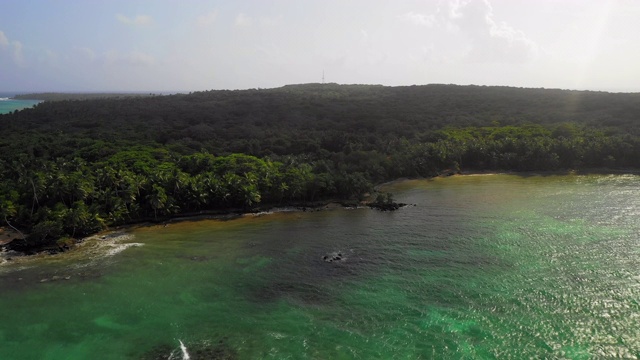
(8, 105)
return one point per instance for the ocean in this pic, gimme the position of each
(8, 105)
(482, 267)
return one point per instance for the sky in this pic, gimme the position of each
(192, 45)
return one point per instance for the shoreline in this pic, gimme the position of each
(219, 215)
(592, 171)
(8, 235)
(11, 235)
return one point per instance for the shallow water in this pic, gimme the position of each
(8, 105)
(498, 266)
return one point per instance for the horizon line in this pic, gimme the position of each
(186, 91)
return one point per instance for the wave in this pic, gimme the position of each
(108, 245)
(118, 248)
(86, 253)
(185, 354)
(12, 261)
(4, 99)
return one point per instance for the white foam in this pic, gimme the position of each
(260, 213)
(4, 99)
(185, 354)
(86, 253)
(101, 246)
(110, 244)
(118, 248)
(6, 256)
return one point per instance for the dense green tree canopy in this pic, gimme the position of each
(72, 167)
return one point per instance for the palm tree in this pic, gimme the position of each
(157, 199)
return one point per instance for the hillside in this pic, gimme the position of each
(72, 167)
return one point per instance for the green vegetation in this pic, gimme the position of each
(70, 168)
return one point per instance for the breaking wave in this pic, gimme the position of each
(108, 245)
(86, 253)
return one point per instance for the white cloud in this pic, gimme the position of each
(139, 20)
(365, 35)
(15, 49)
(473, 34)
(419, 19)
(87, 53)
(243, 20)
(135, 58)
(140, 58)
(4, 42)
(454, 7)
(206, 19)
(270, 21)
(17, 54)
(490, 41)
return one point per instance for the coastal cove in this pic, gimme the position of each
(8, 105)
(72, 168)
(487, 266)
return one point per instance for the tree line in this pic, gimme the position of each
(70, 168)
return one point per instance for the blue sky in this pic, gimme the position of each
(170, 45)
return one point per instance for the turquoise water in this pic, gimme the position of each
(8, 105)
(482, 267)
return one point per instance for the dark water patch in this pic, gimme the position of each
(303, 293)
(303, 275)
(197, 258)
(21, 280)
(161, 352)
(203, 350)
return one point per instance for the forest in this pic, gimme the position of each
(71, 167)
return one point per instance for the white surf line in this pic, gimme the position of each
(185, 354)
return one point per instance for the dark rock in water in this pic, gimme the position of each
(334, 256)
(387, 206)
(18, 246)
(21, 247)
(10, 254)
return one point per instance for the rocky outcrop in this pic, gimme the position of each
(334, 256)
(392, 206)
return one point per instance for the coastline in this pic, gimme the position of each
(9, 105)
(8, 235)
